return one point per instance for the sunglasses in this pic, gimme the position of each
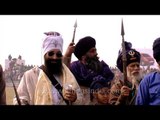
(58, 54)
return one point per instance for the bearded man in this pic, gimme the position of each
(52, 83)
(88, 67)
(125, 94)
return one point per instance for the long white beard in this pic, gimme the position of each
(135, 79)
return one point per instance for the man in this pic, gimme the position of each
(149, 88)
(2, 88)
(52, 83)
(122, 94)
(88, 67)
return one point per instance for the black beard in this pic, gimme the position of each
(93, 64)
(54, 68)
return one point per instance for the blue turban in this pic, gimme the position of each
(131, 55)
(98, 84)
(83, 46)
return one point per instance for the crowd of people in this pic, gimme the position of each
(88, 80)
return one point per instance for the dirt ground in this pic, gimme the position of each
(9, 95)
(10, 92)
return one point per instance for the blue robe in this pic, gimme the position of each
(85, 76)
(149, 90)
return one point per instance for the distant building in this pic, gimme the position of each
(17, 62)
(7, 64)
(20, 62)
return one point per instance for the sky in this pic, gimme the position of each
(23, 34)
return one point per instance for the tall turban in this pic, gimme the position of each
(83, 46)
(131, 55)
(52, 41)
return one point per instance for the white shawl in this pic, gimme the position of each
(44, 89)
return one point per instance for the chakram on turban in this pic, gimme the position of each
(131, 55)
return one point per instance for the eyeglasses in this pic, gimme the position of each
(58, 54)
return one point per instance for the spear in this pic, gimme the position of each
(68, 54)
(15, 90)
(74, 32)
(124, 54)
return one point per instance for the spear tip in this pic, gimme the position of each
(122, 28)
(75, 25)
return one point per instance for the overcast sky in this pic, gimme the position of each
(23, 34)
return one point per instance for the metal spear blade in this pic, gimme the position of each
(122, 28)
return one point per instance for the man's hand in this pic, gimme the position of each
(70, 50)
(70, 95)
(123, 96)
(125, 91)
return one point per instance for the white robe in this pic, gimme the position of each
(36, 88)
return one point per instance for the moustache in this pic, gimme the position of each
(54, 61)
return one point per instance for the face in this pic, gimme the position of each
(133, 71)
(103, 96)
(92, 60)
(92, 53)
(53, 61)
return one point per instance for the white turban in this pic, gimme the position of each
(52, 42)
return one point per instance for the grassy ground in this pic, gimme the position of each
(9, 95)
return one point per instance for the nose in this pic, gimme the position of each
(54, 56)
(106, 95)
(136, 67)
